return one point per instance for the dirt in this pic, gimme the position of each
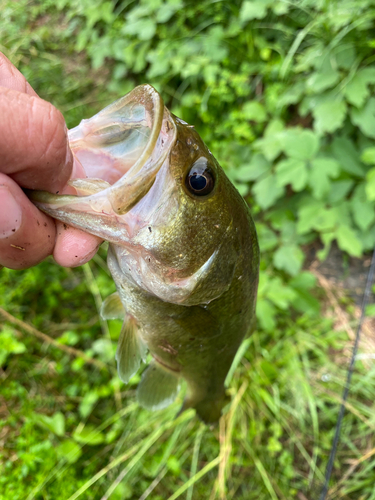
(343, 272)
(343, 277)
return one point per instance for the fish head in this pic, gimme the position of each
(155, 192)
(185, 226)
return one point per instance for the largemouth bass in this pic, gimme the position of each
(183, 249)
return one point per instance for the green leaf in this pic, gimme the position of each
(254, 111)
(280, 218)
(315, 216)
(267, 191)
(363, 211)
(271, 144)
(368, 156)
(69, 450)
(370, 310)
(322, 169)
(339, 190)
(327, 239)
(292, 171)
(87, 403)
(289, 258)
(166, 10)
(253, 9)
(303, 281)
(320, 81)
(144, 29)
(346, 154)
(302, 145)
(270, 147)
(280, 8)
(88, 435)
(99, 12)
(370, 184)
(364, 118)
(258, 166)
(265, 313)
(305, 301)
(348, 241)
(292, 94)
(104, 348)
(357, 91)
(159, 65)
(267, 238)
(69, 337)
(55, 424)
(278, 293)
(329, 115)
(345, 55)
(368, 239)
(288, 230)
(243, 189)
(174, 465)
(9, 344)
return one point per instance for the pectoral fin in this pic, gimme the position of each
(158, 387)
(112, 307)
(130, 350)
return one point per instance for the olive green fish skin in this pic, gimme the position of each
(199, 338)
(185, 266)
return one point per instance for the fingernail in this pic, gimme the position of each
(10, 213)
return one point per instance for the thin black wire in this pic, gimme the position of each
(370, 278)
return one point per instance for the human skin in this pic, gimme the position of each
(34, 154)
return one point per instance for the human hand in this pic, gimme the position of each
(34, 154)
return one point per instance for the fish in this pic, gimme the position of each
(183, 249)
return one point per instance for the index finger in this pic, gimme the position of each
(34, 148)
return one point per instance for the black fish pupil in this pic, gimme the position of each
(198, 182)
(200, 179)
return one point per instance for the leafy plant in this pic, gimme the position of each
(281, 91)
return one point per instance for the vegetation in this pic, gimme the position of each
(281, 91)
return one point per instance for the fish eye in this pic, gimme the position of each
(200, 180)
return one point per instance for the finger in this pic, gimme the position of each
(74, 247)
(34, 148)
(11, 78)
(27, 236)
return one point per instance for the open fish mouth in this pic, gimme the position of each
(121, 148)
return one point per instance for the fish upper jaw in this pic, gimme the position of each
(121, 136)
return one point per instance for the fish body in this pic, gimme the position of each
(183, 248)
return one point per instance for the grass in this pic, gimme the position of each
(70, 430)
